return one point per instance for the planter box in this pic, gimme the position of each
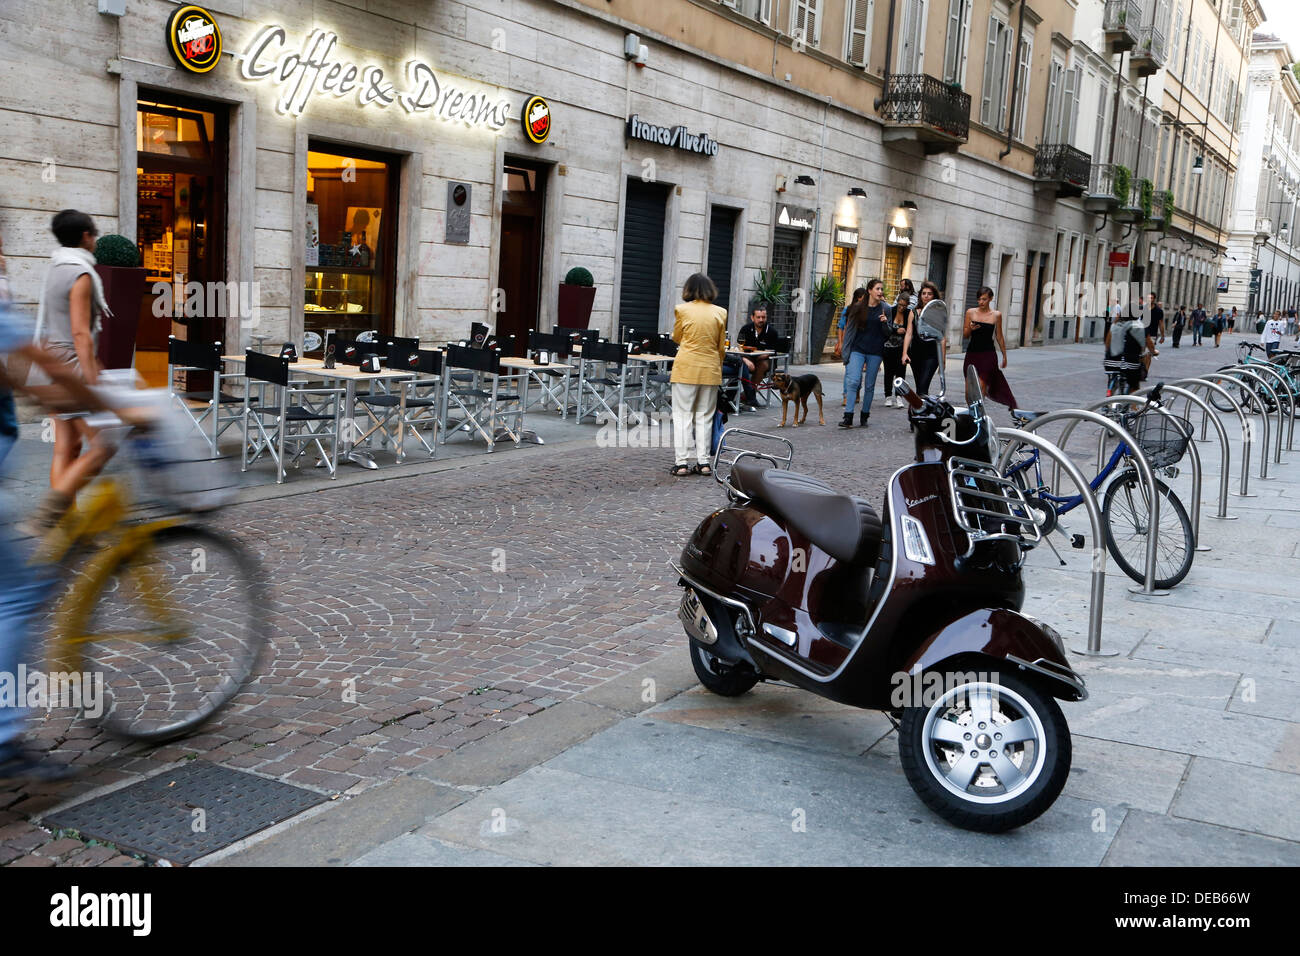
(575, 306)
(124, 291)
(823, 316)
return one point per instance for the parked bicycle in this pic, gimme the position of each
(1125, 505)
(1250, 394)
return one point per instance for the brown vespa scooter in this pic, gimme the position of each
(916, 613)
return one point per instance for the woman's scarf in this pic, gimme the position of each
(84, 259)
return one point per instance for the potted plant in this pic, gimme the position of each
(769, 289)
(577, 294)
(1167, 207)
(1146, 194)
(1123, 181)
(118, 263)
(828, 296)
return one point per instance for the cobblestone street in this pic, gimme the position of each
(456, 603)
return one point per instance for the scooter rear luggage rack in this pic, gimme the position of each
(976, 483)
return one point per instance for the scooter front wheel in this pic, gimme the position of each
(987, 755)
(722, 677)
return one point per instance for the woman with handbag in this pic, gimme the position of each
(862, 343)
(700, 331)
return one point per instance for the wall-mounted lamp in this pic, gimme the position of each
(804, 180)
(859, 192)
(909, 206)
(1198, 166)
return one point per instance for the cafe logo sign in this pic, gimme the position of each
(536, 120)
(899, 236)
(315, 70)
(674, 136)
(194, 38)
(846, 236)
(795, 217)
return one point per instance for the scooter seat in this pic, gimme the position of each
(844, 526)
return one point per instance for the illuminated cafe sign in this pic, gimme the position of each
(675, 136)
(314, 70)
(846, 236)
(898, 236)
(193, 38)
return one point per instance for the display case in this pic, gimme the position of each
(340, 298)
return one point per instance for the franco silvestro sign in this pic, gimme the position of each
(676, 136)
(315, 70)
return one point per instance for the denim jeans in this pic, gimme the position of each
(853, 378)
(23, 590)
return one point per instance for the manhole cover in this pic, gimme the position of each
(186, 813)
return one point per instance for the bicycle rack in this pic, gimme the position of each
(1073, 417)
(1015, 437)
(1257, 368)
(1246, 429)
(1192, 450)
(1225, 456)
(1232, 371)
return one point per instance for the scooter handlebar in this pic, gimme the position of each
(908, 394)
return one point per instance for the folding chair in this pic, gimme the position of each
(779, 362)
(297, 418)
(415, 404)
(603, 375)
(479, 409)
(220, 409)
(559, 347)
(658, 381)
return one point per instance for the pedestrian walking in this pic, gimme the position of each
(899, 323)
(1220, 322)
(1155, 323)
(1271, 337)
(1198, 324)
(984, 327)
(858, 295)
(1232, 320)
(8, 414)
(68, 320)
(925, 347)
(862, 343)
(700, 331)
(1180, 320)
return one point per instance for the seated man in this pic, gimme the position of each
(755, 333)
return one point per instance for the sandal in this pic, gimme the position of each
(704, 470)
(680, 471)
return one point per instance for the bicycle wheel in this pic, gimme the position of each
(1128, 519)
(173, 626)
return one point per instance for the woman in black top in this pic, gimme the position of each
(862, 342)
(897, 333)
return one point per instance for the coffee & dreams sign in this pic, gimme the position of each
(315, 70)
(674, 136)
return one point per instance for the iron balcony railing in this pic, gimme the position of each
(1101, 180)
(1151, 45)
(916, 99)
(1062, 163)
(1123, 17)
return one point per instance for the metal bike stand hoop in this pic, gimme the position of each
(1072, 417)
(1015, 437)
(1238, 374)
(1205, 383)
(1266, 369)
(1225, 455)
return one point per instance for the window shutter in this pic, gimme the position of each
(1005, 71)
(1070, 110)
(1053, 90)
(990, 68)
(952, 45)
(859, 32)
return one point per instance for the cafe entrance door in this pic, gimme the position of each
(519, 267)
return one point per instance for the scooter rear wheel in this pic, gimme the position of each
(987, 755)
(722, 677)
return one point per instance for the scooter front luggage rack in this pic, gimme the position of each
(985, 503)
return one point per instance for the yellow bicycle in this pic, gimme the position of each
(167, 617)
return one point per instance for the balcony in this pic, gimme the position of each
(1061, 169)
(1149, 54)
(1121, 22)
(921, 109)
(1162, 211)
(1135, 210)
(1100, 195)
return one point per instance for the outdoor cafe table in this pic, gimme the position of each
(349, 375)
(534, 373)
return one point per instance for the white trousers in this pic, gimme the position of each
(693, 408)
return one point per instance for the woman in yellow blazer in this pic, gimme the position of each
(700, 331)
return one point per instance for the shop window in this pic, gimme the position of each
(350, 242)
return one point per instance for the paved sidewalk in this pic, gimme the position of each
(1187, 752)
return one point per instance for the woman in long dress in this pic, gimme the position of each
(984, 327)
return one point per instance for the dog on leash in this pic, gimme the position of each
(797, 389)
